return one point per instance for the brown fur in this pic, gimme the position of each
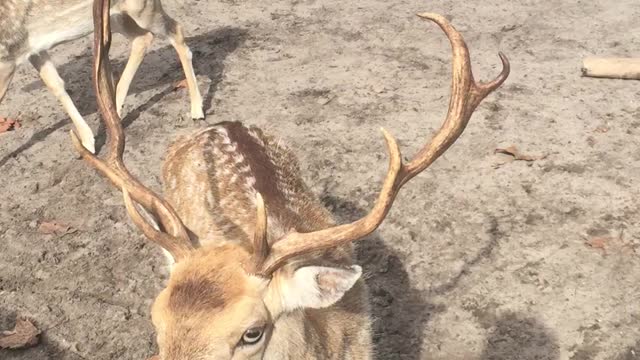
(211, 178)
(207, 285)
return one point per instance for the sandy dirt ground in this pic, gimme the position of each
(482, 257)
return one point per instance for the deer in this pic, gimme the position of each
(32, 27)
(259, 268)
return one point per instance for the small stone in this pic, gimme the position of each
(378, 88)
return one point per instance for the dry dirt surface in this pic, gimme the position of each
(482, 257)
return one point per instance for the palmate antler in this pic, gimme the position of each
(466, 94)
(176, 240)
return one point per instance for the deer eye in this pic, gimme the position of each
(252, 336)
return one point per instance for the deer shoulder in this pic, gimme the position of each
(212, 179)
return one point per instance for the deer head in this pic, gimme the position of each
(221, 302)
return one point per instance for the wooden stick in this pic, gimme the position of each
(613, 68)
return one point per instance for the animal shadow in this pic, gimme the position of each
(631, 353)
(44, 350)
(209, 53)
(400, 312)
(515, 336)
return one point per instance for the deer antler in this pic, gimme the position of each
(466, 94)
(260, 244)
(176, 241)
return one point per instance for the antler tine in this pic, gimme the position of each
(177, 242)
(260, 244)
(166, 241)
(466, 94)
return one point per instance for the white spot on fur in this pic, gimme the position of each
(232, 148)
(250, 182)
(254, 133)
(173, 182)
(238, 158)
(210, 199)
(224, 136)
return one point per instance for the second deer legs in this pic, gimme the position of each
(184, 53)
(54, 82)
(139, 46)
(164, 26)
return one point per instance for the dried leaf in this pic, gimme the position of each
(599, 242)
(612, 244)
(7, 124)
(182, 84)
(513, 151)
(56, 228)
(601, 129)
(25, 334)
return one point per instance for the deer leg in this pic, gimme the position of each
(139, 46)
(54, 82)
(176, 37)
(6, 74)
(161, 24)
(140, 41)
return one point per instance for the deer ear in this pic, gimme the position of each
(317, 286)
(170, 260)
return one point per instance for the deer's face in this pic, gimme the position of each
(213, 309)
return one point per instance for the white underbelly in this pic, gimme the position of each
(40, 39)
(59, 26)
